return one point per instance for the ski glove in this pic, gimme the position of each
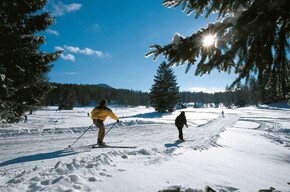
(118, 121)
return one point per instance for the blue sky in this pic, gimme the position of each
(106, 42)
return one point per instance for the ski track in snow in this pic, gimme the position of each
(54, 167)
(151, 150)
(274, 128)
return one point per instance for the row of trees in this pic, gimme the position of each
(69, 95)
(251, 93)
(165, 93)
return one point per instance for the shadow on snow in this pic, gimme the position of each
(148, 115)
(37, 157)
(175, 144)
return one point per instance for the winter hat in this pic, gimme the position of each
(103, 102)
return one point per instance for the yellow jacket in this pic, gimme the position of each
(102, 113)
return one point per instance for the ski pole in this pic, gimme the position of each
(80, 136)
(110, 128)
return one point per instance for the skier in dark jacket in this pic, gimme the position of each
(99, 115)
(25, 118)
(180, 121)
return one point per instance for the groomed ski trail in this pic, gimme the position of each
(71, 168)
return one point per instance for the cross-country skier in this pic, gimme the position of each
(25, 118)
(180, 121)
(99, 115)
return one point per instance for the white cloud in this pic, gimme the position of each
(58, 48)
(73, 7)
(59, 8)
(77, 50)
(52, 32)
(71, 73)
(68, 57)
(72, 49)
(206, 90)
(85, 51)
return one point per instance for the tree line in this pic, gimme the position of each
(164, 93)
(251, 93)
(69, 95)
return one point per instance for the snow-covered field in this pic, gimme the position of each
(247, 150)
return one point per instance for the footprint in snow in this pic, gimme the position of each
(121, 170)
(104, 174)
(93, 179)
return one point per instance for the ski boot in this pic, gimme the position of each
(101, 143)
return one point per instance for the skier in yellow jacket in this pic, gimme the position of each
(99, 115)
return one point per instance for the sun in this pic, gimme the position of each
(209, 40)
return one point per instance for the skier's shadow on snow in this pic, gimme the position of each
(175, 144)
(147, 115)
(37, 157)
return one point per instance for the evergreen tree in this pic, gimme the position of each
(23, 67)
(254, 92)
(201, 97)
(164, 93)
(246, 94)
(67, 98)
(269, 90)
(241, 96)
(84, 100)
(250, 37)
(239, 99)
(227, 99)
(217, 99)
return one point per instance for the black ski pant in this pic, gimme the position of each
(180, 135)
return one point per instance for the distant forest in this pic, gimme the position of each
(85, 95)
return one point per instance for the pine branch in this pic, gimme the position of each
(251, 38)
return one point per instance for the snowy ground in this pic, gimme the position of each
(247, 150)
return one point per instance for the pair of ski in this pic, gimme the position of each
(111, 146)
(181, 141)
(126, 147)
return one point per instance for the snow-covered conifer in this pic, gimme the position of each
(67, 98)
(23, 67)
(164, 93)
